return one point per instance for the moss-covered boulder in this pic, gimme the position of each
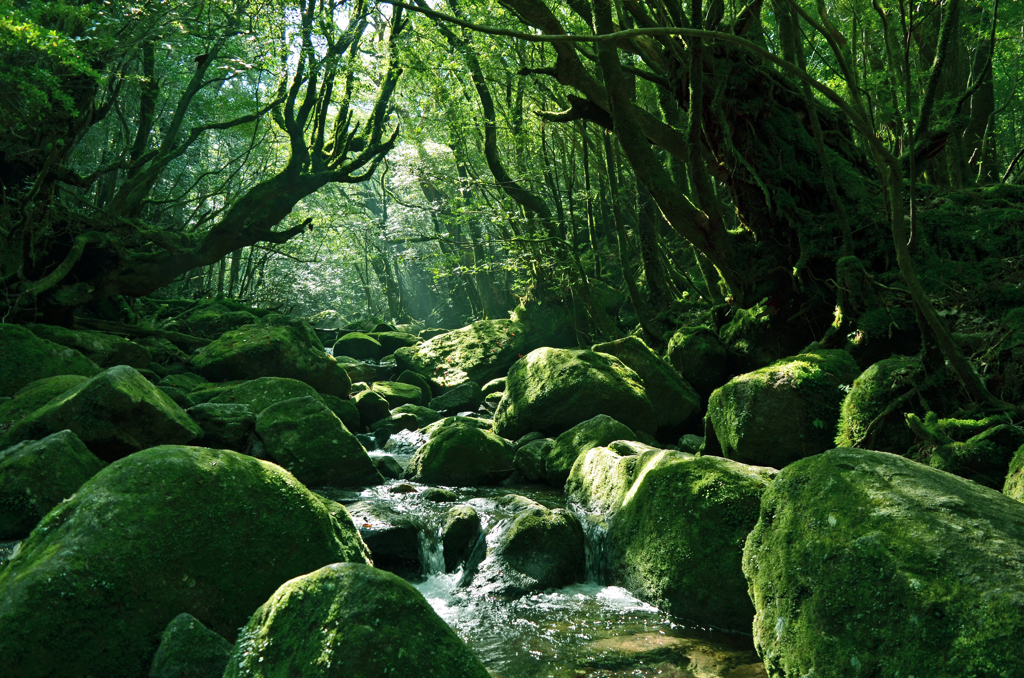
(479, 352)
(398, 393)
(872, 413)
(529, 459)
(532, 548)
(37, 475)
(309, 440)
(367, 623)
(345, 409)
(393, 537)
(259, 394)
(601, 478)
(466, 397)
(372, 407)
(115, 413)
(676, 403)
(1013, 487)
(494, 386)
(460, 454)
(359, 346)
(410, 377)
(551, 390)
(541, 549)
(866, 563)
(392, 341)
(210, 318)
(25, 358)
(676, 539)
(276, 346)
(227, 426)
(190, 650)
(106, 350)
(430, 332)
(459, 534)
(699, 357)
(392, 424)
(784, 412)
(594, 432)
(164, 531)
(424, 415)
(760, 335)
(676, 525)
(187, 381)
(33, 396)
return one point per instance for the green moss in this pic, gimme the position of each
(115, 413)
(37, 475)
(677, 538)
(350, 621)
(462, 455)
(25, 358)
(782, 412)
(163, 531)
(866, 560)
(359, 346)
(601, 430)
(479, 352)
(398, 393)
(868, 418)
(277, 346)
(33, 396)
(550, 390)
(1013, 487)
(544, 549)
(259, 394)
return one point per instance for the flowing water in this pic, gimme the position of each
(588, 630)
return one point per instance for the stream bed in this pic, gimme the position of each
(587, 630)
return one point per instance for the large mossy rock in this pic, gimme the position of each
(699, 357)
(676, 528)
(372, 407)
(466, 397)
(190, 650)
(459, 534)
(392, 341)
(276, 346)
(783, 412)
(677, 405)
(359, 346)
(226, 426)
(479, 352)
(305, 437)
(210, 318)
(106, 350)
(541, 549)
(398, 393)
(25, 358)
(1014, 485)
(164, 531)
(462, 455)
(872, 414)
(551, 390)
(37, 475)
(865, 563)
(33, 396)
(259, 394)
(115, 413)
(595, 432)
(350, 621)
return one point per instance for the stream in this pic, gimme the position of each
(587, 630)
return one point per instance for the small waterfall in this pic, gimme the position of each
(431, 550)
(595, 532)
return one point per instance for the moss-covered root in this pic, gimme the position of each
(864, 563)
(350, 621)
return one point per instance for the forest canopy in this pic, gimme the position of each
(392, 160)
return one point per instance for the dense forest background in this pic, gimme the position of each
(353, 160)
